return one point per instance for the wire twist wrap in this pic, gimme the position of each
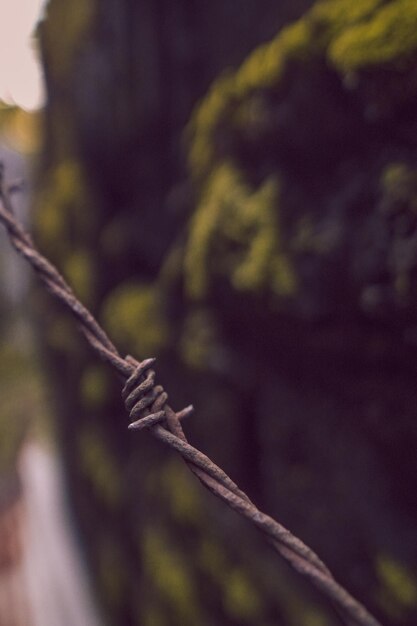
(144, 401)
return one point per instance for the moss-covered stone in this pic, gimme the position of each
(235, 233)
(213, 560)
(399, 585)
(241, 598)
(169, 572)
(333, 16)
(388, 35)
(262, 70)
(250, 280)
(134, 316)
(241, 218)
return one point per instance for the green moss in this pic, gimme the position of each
(94, 387)
(63, 32)
(295, 41)
(61, 208)
(333, 16)
(254, 223)
(204, 225)
(235, 233)
(171, 576)
(51, 216)
(399, 585)
(235, 229)
(198, 339)
(134, 316)
(78, 270)
(262, 70)
(204, 121)
(353, 35)
(399, 203)
(399, 187)
(390, 34)
(212, 560)
(99, 465)
(180, 490)
(241, 600)
(283, 277)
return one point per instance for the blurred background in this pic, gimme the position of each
(231, 187)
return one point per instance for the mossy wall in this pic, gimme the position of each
(260, 242)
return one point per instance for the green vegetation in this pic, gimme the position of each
(179, 488)
(398, 591)
(399, 186)
(170, 574)
(79, 273)
(262, 70)
(199, 339)
(241, 599)
(133, 314)
(62, 208)
(234, 232)
(94, 387)
(389, 35)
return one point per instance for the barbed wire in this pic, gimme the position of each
(147, 406)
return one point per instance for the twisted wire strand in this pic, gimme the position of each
(147, 406)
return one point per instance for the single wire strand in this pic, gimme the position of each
(148, 408)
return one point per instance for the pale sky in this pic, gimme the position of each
(20, 74)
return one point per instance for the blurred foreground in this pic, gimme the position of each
(42, 575)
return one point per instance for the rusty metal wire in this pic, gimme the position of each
(147, 406)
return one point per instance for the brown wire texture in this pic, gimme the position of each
(147, 406)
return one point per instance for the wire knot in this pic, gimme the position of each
(144, 401)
